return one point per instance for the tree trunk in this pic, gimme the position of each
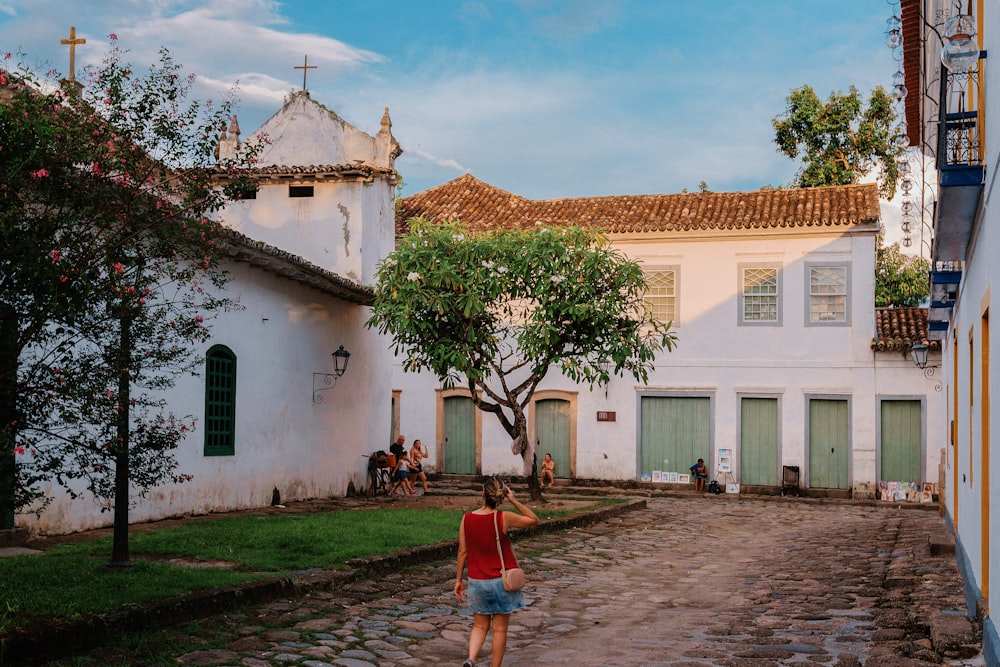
(534, 487)
(8, 415)
(119, 548)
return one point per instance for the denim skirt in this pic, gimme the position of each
(487, 596)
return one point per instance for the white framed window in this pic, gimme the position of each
(760, 294)
(829, 290)
(661, 294)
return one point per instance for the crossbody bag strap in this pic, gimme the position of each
(496, 525)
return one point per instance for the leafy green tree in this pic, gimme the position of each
(109, 269)
(840, 140)
(900, 280)
(498, 310)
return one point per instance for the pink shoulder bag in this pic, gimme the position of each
(513, 579)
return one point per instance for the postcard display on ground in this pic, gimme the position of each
(907, 492)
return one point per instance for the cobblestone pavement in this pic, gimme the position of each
(693, 581)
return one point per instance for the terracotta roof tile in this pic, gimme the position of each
(896, 329)
(483, 206)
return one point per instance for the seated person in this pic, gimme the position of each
(548, 471)
(699, 472)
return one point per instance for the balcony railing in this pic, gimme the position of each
(960, 139)
(961, 160)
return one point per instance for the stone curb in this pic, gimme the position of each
(50, 641)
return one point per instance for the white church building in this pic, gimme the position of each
(271, 412)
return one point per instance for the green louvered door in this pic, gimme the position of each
(759, 441)
(901, 433)
(828, 444)
(674, 432)
(552, 425)
(459, 436)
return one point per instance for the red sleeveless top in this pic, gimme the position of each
(481, 546)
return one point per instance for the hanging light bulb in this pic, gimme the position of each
(904, 167)
(907, 242)
(906, 185)
(901, 141)
(960, 25)
(893, 32)
(907, 207)
(960, 51)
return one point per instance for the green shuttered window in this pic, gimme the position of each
(220, 402)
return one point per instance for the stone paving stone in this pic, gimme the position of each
(687, 582)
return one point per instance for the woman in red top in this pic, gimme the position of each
(477, 547)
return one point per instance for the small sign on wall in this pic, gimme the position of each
(605, 416)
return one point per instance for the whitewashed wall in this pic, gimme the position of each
(717, 357)
(284, 334)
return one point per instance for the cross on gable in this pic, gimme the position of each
(305, 67)
(72, 42)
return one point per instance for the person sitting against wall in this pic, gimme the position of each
(548, 471)
(700, 473)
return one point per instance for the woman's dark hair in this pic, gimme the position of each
(494, 491)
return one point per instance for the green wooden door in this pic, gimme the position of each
(552, 426)
(902, 435)
(759, 441)
(828, 444)
(459, 435)
(393, 411)
(674, 432)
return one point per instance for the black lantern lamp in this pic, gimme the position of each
(324, 381)
(918, 352)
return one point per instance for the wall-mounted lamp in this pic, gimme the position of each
(329, 380)
(918, 352)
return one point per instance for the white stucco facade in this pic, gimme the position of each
(723, 359)
(966, 223)
(298, 273)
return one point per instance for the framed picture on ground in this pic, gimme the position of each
(683, 478)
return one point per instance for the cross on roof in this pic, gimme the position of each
(305, 67)
(72, 42)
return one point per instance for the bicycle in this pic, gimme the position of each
(380, 467)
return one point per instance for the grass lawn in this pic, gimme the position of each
(73, 579)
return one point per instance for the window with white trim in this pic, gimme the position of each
(760, 294)
(661, 295)
(828, 291)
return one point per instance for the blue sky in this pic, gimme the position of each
(544, 98)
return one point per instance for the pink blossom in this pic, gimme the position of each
(55, 256)
(96, 167)
(18, 449)
(40, 173)
(113, 36)
(119, 269)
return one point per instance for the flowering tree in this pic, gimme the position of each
(107, 266)
(498, 310)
